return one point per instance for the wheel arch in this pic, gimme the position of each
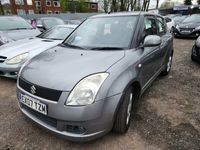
(136, 86)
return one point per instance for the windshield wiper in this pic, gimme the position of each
(73, 46)
(21, 29)
(107, 48)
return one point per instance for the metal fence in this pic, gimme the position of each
(64, 16)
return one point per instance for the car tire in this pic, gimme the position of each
(123, 116)
(193, 58)
(192, 55)
(168, 66)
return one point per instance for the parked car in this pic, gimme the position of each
(86, 86)
(190, 27)
(179, 19)
(196, 51)
(14, 54)
(46, 23)
(75, 22)
(4, 38)
(170, 24)
(14, 28)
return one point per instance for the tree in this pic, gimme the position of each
(1, 9)
(157, 4)
(188, 2)
(167, 4)
(124, 5)
(74, 5)
(198, 1)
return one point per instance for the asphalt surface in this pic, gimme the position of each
(168, 117)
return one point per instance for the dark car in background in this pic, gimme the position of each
(46, 23)
(13, 28)
(190, 27)
(178, 19)
(88, 85)
(196, 51)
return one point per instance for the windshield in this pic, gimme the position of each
(49, 23)
(104, 32)
(56, 33)
(12, 23)
(192, 19)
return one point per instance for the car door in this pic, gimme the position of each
(150, 56)
(166, 38)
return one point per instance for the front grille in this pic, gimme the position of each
(48, 120)
(46, 93)
(2, 59)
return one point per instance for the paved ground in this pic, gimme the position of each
(169, 116)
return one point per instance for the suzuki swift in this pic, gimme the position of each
(88, 85)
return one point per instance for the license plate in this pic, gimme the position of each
(186, 31)
(34, 104)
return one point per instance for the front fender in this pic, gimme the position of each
(122, 74)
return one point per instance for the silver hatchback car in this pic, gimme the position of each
(88, 85)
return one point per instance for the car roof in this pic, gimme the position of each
(118, 14)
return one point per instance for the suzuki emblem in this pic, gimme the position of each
(33, 89)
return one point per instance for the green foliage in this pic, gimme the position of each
(198, 1)
(188, 2)
(167, 5)
(75, 5)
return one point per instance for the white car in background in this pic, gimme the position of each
(13, 28)
(170, 24)
(14, 54)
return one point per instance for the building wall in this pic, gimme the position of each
(21, 7)
(30, 7)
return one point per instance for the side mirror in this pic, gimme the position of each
(152, 41)
(41, 27)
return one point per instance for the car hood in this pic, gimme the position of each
(61, 68)
(189, 25)
(21, 34)
(15, 48)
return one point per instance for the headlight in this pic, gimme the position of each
(17, 59)
(85, 91)
(197, 28)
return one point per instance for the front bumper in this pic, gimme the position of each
(9, 71)
(81, 123)
(192, 34)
